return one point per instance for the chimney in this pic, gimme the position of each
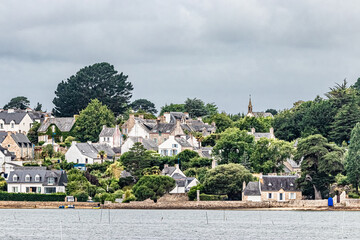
(213, 163)
(73, 143)
(167, 117)
(10, 110)
(141, 116)
(186, 114)
(9, 133)
(213, 124)
(272, 131)
(89, 142)
(166, 165)
(177, 166)
(252, 130)
(103, 127)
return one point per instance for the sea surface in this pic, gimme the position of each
(177, 224)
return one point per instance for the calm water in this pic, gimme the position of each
(176, 224)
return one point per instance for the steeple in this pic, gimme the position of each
(250, 108)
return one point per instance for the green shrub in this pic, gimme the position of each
(81, 196)
(192, 192)
(3, 184)
(41, 143)
(353, 195)
(341, 179)
(100, 190)
(118, 194)
(33, 197)
(129, 197)
(208, 197)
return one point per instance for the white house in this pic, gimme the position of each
(111, 136)
(19, 122)
(173, 146)
(130, 141)
(183, 183)
(36, 180)
(88, 153)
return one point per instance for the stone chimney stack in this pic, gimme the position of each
(272, 131)
(166, 165)
(177, 166)
(252, 130)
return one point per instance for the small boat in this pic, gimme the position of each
(62, 206)
(70, 206)
(96, 207)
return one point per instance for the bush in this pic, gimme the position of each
(353, 195)
(129, 197)
(192, 192)
(41, 143)
(341, 179)
(3, 184)
(81, 196)
(118, 194)
(208, 197)
(100, 190)
(32, 197)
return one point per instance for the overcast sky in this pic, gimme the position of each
(218, 51)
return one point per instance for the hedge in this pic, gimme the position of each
(208, 197)
(32, 197)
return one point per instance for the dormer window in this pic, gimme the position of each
(269, 184)
(37, 178)
(27, 178)
(12, 125)
(15, 178)
(291, 184)
(51, 180)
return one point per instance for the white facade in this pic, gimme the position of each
(23, 127)
(75, 156)
(254, 198)
(33, 188)
(128, 143)
(170, 147)
(138, 131)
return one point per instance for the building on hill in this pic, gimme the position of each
(173, 146)
(11, 121)
(111, 136)
(272, 188)
(257, 135)
(18, 144)
(55, 128)
(36, 180)
(147, 143)
(183, 183)
(256, 114)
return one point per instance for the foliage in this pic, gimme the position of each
(341, 180)
(261, 124)
(144, 105)
(353, 158)
(198, 173)
(129, 196)
(234, 146)
(38, 107)
(272, 111)
(3, 184)
(192, 194)
(91, 120)
(227, 179)
(322, 161)
(127, 181)
(20, 102)
(33, 134)
(269, 155)
(68, 141)
(208, 197)
(136, 160)
(99, 81)
(197, 162)
(48, 150)
(153, 187)
(32, 197)
(195, 107)
(114, 170)
(81, 196)
(186, 155)
(210, 140)
(172, 108)
(222, 122)
(211, 109)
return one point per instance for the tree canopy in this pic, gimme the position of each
(20, 102)
(153, 187)
(353, 158)
(195, 107)
(91, 120)
(172, 108)
(99, 81)
(145, 105)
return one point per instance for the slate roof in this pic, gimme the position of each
(275, 183)
(206, 152)
(262, 135)
(262, 114)
(63, 124)
(293, 163)
(163, 128)
(125, 174)
(21, 172)
(147, 143)
(252, 189)
(177, 116)
(5, 152)
(167, 171)
(14, 116)
(19, 138)
(2, 136)
(104, 147)
(107, 132)
(182, 142)
(116, 150)
(92, 149)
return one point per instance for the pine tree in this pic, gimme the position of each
(353, 158)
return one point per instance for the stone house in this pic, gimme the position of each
(183, 183)
(257, 135)
(11, 121)
(36, 180)
(147, 143)
(18, 144)
(272, 188)
(291, 167)
(111, 136)
(55, 128)
(174, 145)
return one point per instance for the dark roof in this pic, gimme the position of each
(19, 138)
(104, 147)
(163, 128)
(262, 135)
(63, 124)
(107, 132)
(5, 152)
(275, 183)
(21, 172)
(252, 189)
(168, 171)
(147, 143)
(116, 150)
(87, 149)
(2, 136)
(174, 116)
(13, 116)
(182, 142)
(125, 174)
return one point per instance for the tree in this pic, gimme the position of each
(272, 111)
(195, 107)
(234, 146)
(211, 109)
(269, 155)
(260, 124)
(285, 127)
(227, 179)
(353, 158)
(222, 122)
(153, 187)
(320, 163)
(33, 134)
(136, 160)
(102, 155)
(144, 105)
(344, 121)
(91, 120)
(20, 102)
(172, 108)
(38, 107)
(186, 155)
(100, 81)
(48, 150)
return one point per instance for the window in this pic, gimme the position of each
(86, 160)
(51, 180)
(15, 189)
(39, 190)
(37, 178)
(155, 140)
(77, 160)
(269, 195)
(27, 189)
(174, 145)
(12, 125)
(174, 152)
(281, 197)
(15, 178)
(292, 195)
(1, 126)
(27, 178)
(50, 190)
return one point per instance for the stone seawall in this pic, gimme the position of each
(293, 205)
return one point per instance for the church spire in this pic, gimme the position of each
(250, 108)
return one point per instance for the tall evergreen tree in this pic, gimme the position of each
(99, 81)
(20, 102)
(353, 158)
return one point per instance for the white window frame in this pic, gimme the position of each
(37, 178)
(15, 178)
(15, 189)
(51, 181)
(292, 198)
(27, 178)
(283, 197)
